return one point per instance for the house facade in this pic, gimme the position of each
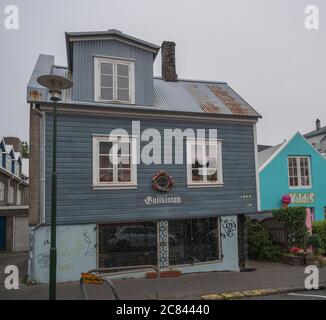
(140, 179)
(317, 138)
(293, 168)
(13, 197)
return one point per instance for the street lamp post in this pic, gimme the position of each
(55, 84)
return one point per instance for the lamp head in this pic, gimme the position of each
(55, 84)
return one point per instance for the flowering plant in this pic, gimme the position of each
(296, 251)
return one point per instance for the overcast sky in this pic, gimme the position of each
(260, 47)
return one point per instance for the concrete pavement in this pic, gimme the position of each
(18, 259)
(188, 286)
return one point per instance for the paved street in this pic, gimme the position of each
(300, 295)
(188, 286)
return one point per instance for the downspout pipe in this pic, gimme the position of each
(42, 186)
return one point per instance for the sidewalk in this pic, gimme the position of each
(18, 259)
(189, 286)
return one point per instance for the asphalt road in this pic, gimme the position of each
(301, 295)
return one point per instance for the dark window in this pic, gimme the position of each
(127, 244)
(193, 240)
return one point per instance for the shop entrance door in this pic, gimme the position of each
(2, 233)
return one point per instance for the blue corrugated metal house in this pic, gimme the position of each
(293, 168)
(115, 214)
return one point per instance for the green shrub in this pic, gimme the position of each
(294, 218)
(260, 246)
(315, 241)
(319, 227)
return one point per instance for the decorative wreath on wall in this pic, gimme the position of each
(162, 181)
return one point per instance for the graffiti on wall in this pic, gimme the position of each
(229, 227)
(76, 251)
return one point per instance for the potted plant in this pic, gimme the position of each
(295, 257)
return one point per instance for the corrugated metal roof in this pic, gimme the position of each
(200, 96)
(265, 155)
(179, 96)
(314, 133)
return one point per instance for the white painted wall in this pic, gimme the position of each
(76, 252)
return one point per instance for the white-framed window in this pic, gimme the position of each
(114, 162)
(19, 196)
(10, 194)
(16, 168)
(114, 80)
(204, 162)
(8, 162)
(2, 191)
(299, 172)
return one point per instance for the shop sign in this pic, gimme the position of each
(150, 200)
(302, 198)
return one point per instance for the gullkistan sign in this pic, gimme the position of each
(151, 200)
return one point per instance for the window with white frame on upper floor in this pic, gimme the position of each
(8, 162)
(2, 191)
(114, 161)
(17, 168)
(299, 172)
(19, 196)
(114, 80)
(11, 194)
(204, 162)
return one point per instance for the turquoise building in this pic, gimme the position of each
(293, 168)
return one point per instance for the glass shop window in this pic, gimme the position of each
(127, 244)
(194, 240)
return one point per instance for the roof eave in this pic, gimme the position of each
(215, 116)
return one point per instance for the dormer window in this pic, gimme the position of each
(114, 80)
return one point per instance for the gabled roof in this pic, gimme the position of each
(18, 156)
(262, 147)
(191, 96)
(111, 34)
(314, 133)
(10, 150)
(2, 144)
(267, 155)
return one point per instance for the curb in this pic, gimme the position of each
(254, 293)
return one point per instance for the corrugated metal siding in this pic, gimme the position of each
(78, 203)
(83, 68)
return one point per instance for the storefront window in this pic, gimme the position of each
(193, 241)
(128, 244)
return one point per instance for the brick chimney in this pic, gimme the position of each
(317, 124)
(168, 61)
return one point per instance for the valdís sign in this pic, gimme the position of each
(302, 198)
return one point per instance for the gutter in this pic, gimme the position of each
(13, 177)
